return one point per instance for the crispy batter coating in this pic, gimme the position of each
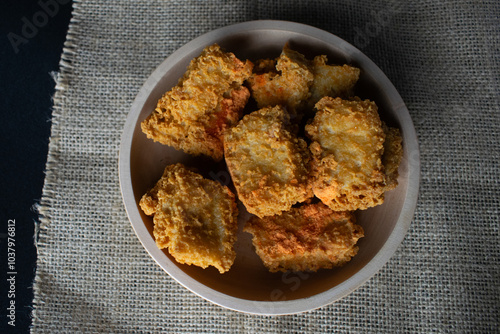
(206, 100)
(310, 237)
(288, 85)
(347, 145)
(287, 81)
(331, 80)
(267, 162)
(195, 218)
(393, 154)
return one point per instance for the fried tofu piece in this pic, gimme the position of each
(288, 85)
(267, 162)
(347, 146)
(393, 154)
(207, 99)
(331, 80)
(309, 237)
(195, 218)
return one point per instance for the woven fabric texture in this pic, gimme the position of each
(93, 275)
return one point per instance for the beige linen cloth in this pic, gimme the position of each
(94, 276)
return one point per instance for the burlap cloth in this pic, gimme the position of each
(93, 274)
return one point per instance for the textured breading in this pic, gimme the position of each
(206, 100)
(195, 218)
(393, 154)
(288, 85)
(287, 81)
(310, 237)
(331, 80)
(347, 145)
(267, 163)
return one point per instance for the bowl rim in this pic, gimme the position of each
(271, 307)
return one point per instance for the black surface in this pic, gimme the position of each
(28, 55)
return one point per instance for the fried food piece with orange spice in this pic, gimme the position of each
(309, 237)
(195, 218)
(347, 146)
(287, 85)
(297, 83)
(207, 99)
(267, 162)
(331, 80)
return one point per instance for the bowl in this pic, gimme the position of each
(248, 286)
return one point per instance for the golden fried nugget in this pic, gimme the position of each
(331, 80)
(195, 218)
(393, 154)
(267, 162)
(206, 100)
(287, 86)
(347, 145)
(310, 237)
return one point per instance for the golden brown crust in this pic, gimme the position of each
(297, 83)
(287, 85)
(331, 80)
(310, 237)
(393, 154)
(352, 160)
(267, 163)
(347, 145)
(207, 99)
(195, 218)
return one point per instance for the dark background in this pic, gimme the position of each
(26, 94)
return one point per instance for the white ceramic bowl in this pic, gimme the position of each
(248, 286)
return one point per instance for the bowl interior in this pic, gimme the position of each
(143, 161)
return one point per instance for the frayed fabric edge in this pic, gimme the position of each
(44, 207)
